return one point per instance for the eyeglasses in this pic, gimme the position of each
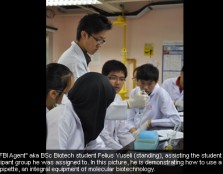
(99, 41)
(114, 78)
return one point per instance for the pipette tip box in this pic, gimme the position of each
(146, 140)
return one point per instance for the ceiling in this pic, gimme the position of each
(113, 8)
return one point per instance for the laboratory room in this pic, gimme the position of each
(135, 50)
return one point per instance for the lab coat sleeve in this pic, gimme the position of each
(165, 84)
(97, 144)
(60, 127)
(131, 122)
(168, 109)
(107, 135)
(65, 127)
(117, 110)
(75, 60)
(78, 69)
(124, 136)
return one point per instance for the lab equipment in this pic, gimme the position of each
(146, 140)
(138, 101)
(172, 137)
(142, 127)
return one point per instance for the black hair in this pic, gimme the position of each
(147, 72)
(93, 24)
(57, 77)
(135, 72)
(114, 65)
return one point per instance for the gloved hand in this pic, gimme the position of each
(136, 133)
(138, 101)
(144, 126)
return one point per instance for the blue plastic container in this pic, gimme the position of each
(146, 140)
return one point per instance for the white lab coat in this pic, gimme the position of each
(47, 110)
(75, 60)
(116, 133)
(65, 130)
(117, 110)
(159, 108)
(170, 86)
(97, 144)
(65, 99)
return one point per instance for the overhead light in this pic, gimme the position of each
(71, 2)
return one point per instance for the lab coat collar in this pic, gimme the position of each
(154, 90)
(87, 57)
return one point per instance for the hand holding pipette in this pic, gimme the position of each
(138, 101)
